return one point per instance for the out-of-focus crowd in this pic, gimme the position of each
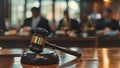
(97, 24)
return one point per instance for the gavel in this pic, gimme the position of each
(37, 55)
(40, 38)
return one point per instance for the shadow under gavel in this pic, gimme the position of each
(75, 53)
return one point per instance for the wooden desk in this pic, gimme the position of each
(109, 42)
(92, 58)
(24, 41)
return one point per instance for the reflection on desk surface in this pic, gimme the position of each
(91, 58)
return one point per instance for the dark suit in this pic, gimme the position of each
(42, 23)
(101, 24)
(74, 25)
(2, 25)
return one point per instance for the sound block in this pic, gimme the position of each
(47, 57)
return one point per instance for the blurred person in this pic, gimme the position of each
(95, 15)
(35, 21)
(3, 27)
(107, 25)
(67, 26)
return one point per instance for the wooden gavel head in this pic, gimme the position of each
(38, 40)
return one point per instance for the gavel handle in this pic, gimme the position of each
(77, 54)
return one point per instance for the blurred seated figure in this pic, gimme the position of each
(35, 21)
(107, 25)
(95, 14)
(67, 26)
(3, 27)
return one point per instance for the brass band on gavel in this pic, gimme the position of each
(38, 40)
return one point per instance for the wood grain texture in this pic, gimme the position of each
(91, 58)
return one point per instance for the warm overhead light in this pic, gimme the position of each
(107, 1)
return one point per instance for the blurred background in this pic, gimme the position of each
(14, 11)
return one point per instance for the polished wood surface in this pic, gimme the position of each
(91, 58)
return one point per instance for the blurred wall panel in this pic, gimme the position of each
(1, 7)
(7, 8)
(115, 4)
